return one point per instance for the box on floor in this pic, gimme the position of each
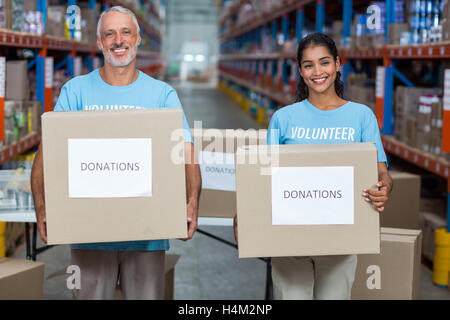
(271, 225)
(215, 148)
(21, 279)
(429, 223)
(141, 197)
(395, 272)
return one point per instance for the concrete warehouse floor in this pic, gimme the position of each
(207, 269)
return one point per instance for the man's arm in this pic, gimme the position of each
(37, 187)
(193, 188)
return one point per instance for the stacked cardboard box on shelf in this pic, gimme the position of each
(56, 18)
(446, 21)
(21, 115)
(396, 30)
(429, 223)
(20, 15)
(413, 116)
(424, 115)
(89, 24)
(5, 14)
(336, 32)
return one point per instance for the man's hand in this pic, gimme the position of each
(192, 220)
(379, 197)
(37, 187)
(193, 188)
(42, 222)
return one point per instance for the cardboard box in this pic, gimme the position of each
(21, 279)
(56, 16)
(430, 222)
(218, 195)
(395, 32)
(395, 272)
(130, 185)
(435, 141)
(402, 208)
(411, 131)
(407, 99)
(436, 115)
(423, 141)
(400, 128)
(169, 281)
(272, 232)
(16, 80)
(433, 205)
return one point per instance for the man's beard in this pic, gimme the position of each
(111, 60)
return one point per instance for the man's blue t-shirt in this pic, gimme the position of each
(90, 92)
(303, 123)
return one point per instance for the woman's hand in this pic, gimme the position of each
(379, 197)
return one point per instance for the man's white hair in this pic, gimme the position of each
(118, 9)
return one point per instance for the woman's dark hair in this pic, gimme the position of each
(317, 39)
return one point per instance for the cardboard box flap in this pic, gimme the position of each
(107, 113)
(310, 148)
(397, 231)
(398, 238)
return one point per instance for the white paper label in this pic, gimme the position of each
(2, 76)
(110, 168)
(379, 85)
(48, 72)
(312, 195)
(77, 65)
(218, 170)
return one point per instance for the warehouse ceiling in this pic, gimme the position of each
(191, 11)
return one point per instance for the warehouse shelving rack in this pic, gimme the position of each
(46, 49)
(244, 69)
(46, 45)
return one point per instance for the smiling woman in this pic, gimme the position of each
(322, 116)
(319, 65)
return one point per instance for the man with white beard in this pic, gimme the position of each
(139, 265)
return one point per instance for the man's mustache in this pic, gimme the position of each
(120, 46)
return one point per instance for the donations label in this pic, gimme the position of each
(218, 170)
(110, 168)
(312, 195)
